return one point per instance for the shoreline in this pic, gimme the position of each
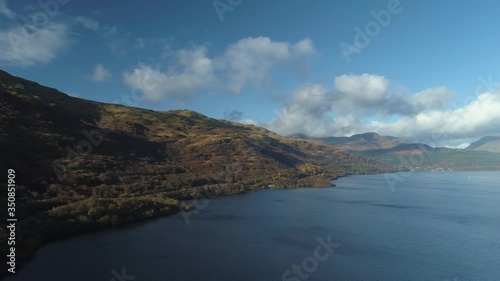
(30, 253)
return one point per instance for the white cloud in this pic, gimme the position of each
(156, 85)
(5, 11)
(370, 103)
(370, 94)
(27, 44)
(305, 46)
(248, 62)
(362, 89)
(100, 74)
(477, 118)
(431, 99)
(23, 46)
(306, 112)
(314, 99)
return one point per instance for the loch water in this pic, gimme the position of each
(431, 226)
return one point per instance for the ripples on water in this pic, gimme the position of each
(434, 226)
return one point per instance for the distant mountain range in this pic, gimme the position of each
(416, 156)
(490, 143)
(361, 142)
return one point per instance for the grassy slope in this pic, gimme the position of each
(143, 163)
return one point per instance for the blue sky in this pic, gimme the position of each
(424, 70)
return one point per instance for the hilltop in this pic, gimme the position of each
(83, 165)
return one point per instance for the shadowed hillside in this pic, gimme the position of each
(82, 165)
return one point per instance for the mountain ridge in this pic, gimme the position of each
(415, 156)
(359, 142)
(82, 165)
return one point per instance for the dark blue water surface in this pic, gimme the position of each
(433, 226)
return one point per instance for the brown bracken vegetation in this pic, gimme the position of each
(83, 165)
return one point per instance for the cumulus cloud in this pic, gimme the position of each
(304, 47)
(371, 103)
(247, 62)
(305, 112)
(28, 45)
(431, 99)
(100, 74)
(196, 73)
(363, 89)
(374, 94)
(478, 118)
